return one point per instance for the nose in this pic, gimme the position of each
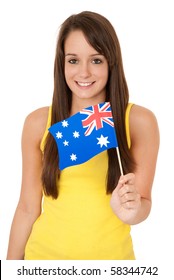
(84, 70)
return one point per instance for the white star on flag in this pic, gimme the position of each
(66, 143)
(73, 157)
(65, 123)
(59, 135)
(103, 141)
(76, 134)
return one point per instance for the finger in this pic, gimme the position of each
(126, 189)
(128, 178)
(131, 204)
(125, 179)
(128, 197)
(119, 184)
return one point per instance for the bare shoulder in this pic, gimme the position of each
(38, 116)
(35, 123)
(141, 115)
(143, 123)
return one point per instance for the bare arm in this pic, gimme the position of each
(131, 199)
(29, 205)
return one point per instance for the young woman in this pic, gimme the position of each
(85, 211)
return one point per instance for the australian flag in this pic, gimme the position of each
(84, 135)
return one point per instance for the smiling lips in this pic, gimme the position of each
(84, 84)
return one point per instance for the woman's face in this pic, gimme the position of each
(86, 70)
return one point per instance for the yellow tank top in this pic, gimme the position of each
(80, 224)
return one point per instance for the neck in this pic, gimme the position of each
(78, 105)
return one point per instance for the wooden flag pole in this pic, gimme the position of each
(119, 161)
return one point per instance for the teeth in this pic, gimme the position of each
(84, 84)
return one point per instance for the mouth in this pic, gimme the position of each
(84, 84)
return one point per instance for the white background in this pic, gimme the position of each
(28, 33)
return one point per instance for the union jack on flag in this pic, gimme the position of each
(96, 116)
(79, 138)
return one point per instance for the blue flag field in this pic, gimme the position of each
(84, 135)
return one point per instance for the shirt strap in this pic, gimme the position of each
(127, 123)
(42, 144)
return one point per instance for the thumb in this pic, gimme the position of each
(120, 183)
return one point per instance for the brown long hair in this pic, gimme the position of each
(102, 37)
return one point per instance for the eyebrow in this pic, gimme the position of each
(73, 54)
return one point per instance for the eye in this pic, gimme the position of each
(96, 61)
(73, 61)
